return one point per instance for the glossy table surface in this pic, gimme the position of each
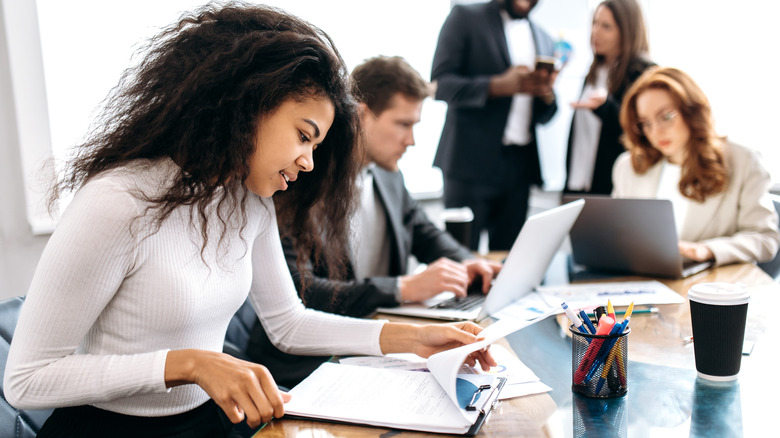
(665, 397)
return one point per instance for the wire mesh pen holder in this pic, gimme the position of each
(599, 364)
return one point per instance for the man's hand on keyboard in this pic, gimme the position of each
(440, 276)
(482, 271)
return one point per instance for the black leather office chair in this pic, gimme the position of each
(237, 336)
(772, 267)
(14, 423)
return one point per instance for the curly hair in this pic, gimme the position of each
(704, 171)
(199, 96)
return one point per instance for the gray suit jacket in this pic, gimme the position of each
(410, 232)
(738, 225)
(470, 50)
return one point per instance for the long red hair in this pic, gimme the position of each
(704, 171)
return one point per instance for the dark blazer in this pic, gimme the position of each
(410, 232)
(610, 146)
(471, 49)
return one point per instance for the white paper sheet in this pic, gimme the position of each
(382, 397)
(584, 295)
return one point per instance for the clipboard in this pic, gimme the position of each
(407, 399)
(392, 398)
(487, 407)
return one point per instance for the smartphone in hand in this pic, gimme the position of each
(545, 63)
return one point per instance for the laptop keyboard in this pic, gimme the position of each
(466, 303)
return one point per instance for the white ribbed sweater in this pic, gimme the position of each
(106, 305)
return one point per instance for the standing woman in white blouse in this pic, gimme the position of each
(620, 55)
(719, 190)
(173, 225)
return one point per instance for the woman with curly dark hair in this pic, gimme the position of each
(173, 224)
(719, 190)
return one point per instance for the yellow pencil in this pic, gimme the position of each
(610, 310)
(608, 363)
(628, 312)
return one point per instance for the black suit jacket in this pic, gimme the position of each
(410, 232)
(471, 49)
(609, 146)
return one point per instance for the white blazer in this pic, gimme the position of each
(738, 225)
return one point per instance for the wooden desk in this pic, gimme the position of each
(664, 391)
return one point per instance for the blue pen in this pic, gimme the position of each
(573, 318)
(600, 383)
(606, 347)
(587, 322)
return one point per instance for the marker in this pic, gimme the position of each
(600, 311)
(573, 318)
(605, 326)
(587, 322)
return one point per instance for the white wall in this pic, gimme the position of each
(727, 47)
(20, 248)
(730, 50)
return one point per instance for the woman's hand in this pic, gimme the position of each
(594, 100)
(242, 389)
(426, 340)
(698, 252)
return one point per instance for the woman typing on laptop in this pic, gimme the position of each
(719, 190)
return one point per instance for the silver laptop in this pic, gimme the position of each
(523, 270)
(636, 236)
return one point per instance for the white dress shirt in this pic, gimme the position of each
(668, 188)
(368, 240)
(586, 132)
(522, 51)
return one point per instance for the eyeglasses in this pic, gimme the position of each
(663, 120)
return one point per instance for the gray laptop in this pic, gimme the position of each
(636, 236)
(523, 270)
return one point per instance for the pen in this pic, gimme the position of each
(620, 369)
(587, 322)
(639, 311)
(573, 318)
(612, 357)
(605, 326)
(604, 351)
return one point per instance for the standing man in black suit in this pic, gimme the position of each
(484, 69)
(387, 227)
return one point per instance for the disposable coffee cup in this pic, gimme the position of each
(457, 222)
(718, 316)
